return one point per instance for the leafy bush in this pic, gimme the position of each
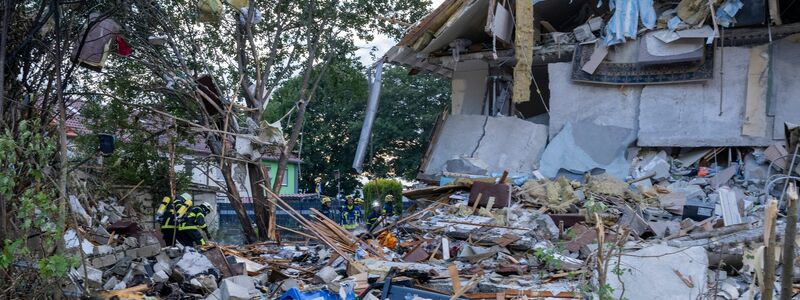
(26, 183)
(376, 190)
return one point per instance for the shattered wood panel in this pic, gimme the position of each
(466, 23)
(431, 22)
(500, 192)
(523, 46)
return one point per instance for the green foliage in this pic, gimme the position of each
(56, 265)
(25, 158)
(408, 109)
(605, 292)
(409, 106)
(593, 206)
(547, 257)
(141, 146)
(331, 126)
(376, 190)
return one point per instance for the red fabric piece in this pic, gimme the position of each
(122, 47)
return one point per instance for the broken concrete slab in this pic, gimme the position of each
(193, 263)
(467, 165)
(503, 143)
(111, 283)
(160, 276)
(640, 269)
(689, 114)
(238, 288)
(325, 275)
(104, 261)
(652, 163)
(673, 202)
(93, 276)
(610, 105)
(753, 169)
(586, 146)
(148, 251)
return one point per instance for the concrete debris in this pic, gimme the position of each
(585, 147)
(467, 165)
(502, 143)
(665, 233)
(657, 263)
(193, 263)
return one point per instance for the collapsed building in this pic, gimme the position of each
(621, 149)
(642, 75)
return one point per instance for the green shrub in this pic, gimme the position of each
(376, 190)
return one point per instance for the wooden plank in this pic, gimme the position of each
(730, 208)
(789, 241)
(476, 203)
(453, 270)
(770, 214)
(472, 283)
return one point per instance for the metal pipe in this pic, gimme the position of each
(369, 117)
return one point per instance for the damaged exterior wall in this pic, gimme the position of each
(601, 104)
(504, 143)
(469, 87)
(700, 114)
(685, 114)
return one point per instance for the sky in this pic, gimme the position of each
(367, 55)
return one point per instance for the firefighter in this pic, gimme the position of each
(327, 210)
(318, 185)
(359, 202)
(376, 214)
(351, 214)
(388, 205)
(189, 230)
(168, 214)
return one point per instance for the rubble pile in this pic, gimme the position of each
(686, 221)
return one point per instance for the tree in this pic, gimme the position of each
(409, 106)
(246, 60)
(408, 109)
(333, 124)
(139, 156)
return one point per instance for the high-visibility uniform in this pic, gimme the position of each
(351, 216)
(373, 217)
(388, 209)
(190, 227)
(169, 216)
(327, 210)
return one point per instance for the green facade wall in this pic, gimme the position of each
(291, 176)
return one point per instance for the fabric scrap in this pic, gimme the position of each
(727, 11)
(625, 21)
(123, 49)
